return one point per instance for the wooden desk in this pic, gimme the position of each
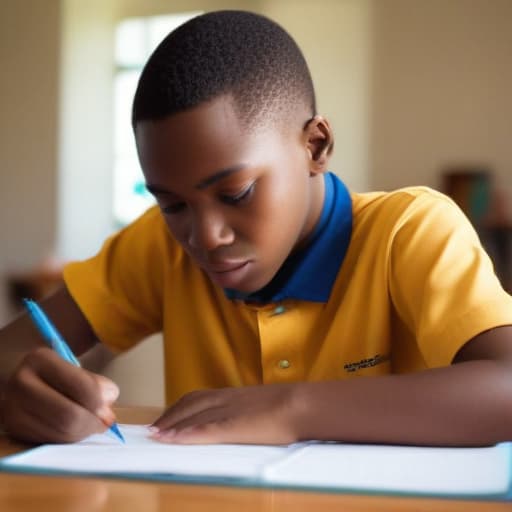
(24, 493)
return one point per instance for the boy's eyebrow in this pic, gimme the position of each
(219, 176)
(157, 190)
(210, 180)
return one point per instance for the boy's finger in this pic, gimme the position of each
(37, 412)
(109, 391)
(92, 392)
(75, 383)
(27, 426)
(224, 429)
(207, 433)
(188, 406)
(203, 427)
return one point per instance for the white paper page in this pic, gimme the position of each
(102, 453)
(396, 468)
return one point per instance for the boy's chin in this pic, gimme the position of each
(243, 290)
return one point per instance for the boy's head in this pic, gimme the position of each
(231, 146)
(235, 53)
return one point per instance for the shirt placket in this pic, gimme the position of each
(280, 344)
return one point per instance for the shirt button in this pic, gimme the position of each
(279, 310)
(284, 363)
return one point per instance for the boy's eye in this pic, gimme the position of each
(240, 197)
(173, 208)
(243, 195)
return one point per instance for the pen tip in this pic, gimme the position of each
(115, 429)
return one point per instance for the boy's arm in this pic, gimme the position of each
(467, 403)
(20, 337)
(42, 397)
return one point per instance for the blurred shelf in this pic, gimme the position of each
(497, 239)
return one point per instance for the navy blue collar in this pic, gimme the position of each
(309, 274)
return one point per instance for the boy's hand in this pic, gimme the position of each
(49, 400)
(254, 415)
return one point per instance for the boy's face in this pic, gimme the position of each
(237, 200)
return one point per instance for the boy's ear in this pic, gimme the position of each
(320, 141)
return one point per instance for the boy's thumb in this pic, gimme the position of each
(108, 389)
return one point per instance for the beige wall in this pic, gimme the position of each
(335, 38)
(130, 8)
(85, 127)
(442, 80)
(29, 53)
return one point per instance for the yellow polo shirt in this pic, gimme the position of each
(414, 286)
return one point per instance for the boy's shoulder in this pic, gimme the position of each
(389, 212)
(406, 196)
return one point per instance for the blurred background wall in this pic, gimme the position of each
(411, 87)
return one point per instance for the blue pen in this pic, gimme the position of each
(53, 337)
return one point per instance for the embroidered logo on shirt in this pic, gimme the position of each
(366, 363)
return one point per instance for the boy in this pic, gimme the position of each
(275, 288)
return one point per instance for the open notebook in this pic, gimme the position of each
(482, 472)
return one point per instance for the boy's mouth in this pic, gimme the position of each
(225, 266)
(229, 273)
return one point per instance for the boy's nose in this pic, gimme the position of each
(209, 231)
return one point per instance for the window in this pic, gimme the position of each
(135, 40)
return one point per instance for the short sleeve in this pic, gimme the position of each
(442, 282)
(120, 289)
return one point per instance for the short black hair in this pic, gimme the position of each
(237, 53)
